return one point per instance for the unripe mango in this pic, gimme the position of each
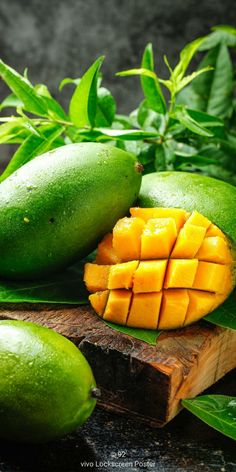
(55, 208)
(213, 198)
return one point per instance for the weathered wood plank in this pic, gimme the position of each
(143, 380)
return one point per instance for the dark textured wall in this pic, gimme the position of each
(58, 38)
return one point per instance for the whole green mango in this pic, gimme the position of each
(55, 208)
(213, 198)
(47, 387)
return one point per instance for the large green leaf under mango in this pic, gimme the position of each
(66, 287)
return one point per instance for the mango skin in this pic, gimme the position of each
(213, 198)
(55, 208)
(46, 384)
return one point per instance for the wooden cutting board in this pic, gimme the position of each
(143, 380)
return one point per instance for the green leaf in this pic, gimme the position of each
(66, 287)
(42, 90)
(83, 104)
(189, 78)
(218, 411)
(225, 314)
(129, 134)
(106, 108)
(149, 336)
(206, 120)
(220, 35)
(186, 56)
(139, 71)
(160, 158)
(151, 87)
(67, 81)
(195, 162)
(35, 99)
(11, 101)
(30, 148)
(23, 90)
(15, 129)
(185, 119)
(212, 92)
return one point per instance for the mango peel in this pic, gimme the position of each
(161, 268)
(56, 207)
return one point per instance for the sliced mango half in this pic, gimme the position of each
(161, 268)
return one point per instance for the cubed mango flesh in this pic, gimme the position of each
(210, 277)
(158, 237)
(146, 214)
(121, 275)
(200, 303)
(144, 311)
(174, 308)
(189, 240)
(117, 307)
(106, 253)
(96, 277)
(127, 238)
(213, 230)
(161, 269)
(181, 273)
(214, 249)
(98, 301)
(149, 276)
(197, 219)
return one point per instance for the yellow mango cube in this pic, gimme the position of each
(158, 237)
(96, 277)
(213, 230)
(149, 276)
(215, 249)
(127, 238)
(106, 253)
(210, 277)
(173, 309)
(146, 214)
(121, 275)
(189, 241)
(144, 311)
(98, 301)
(181, 273)
(200, 303)
(117, 307)
(198, 220)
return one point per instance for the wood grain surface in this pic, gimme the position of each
(135, 377)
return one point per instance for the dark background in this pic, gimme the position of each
(59, 38)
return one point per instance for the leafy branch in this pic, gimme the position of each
(194, 130)
(197, 123)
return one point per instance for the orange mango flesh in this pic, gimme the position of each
(144, 310)
(117, 306)
(126, 238)
(121, 275)
(149, 276)
(158, 237)
(106, 253)
(160, 269)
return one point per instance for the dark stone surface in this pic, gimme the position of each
(184, 445)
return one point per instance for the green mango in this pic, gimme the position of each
(47, 387)
(213, 198)
(55, 208)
